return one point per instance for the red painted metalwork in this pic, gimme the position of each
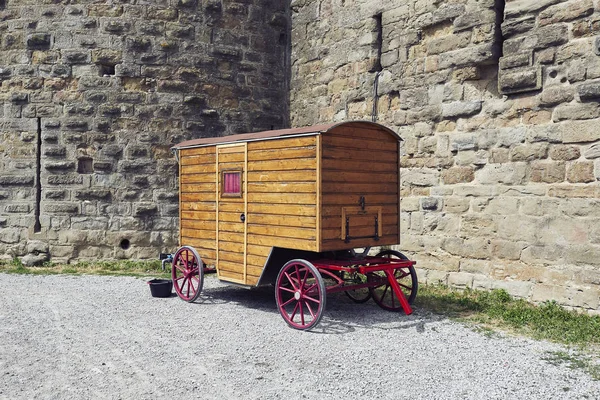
(367, 266)
(300, 294)
(187, 273)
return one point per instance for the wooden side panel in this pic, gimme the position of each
(282, 198)
(359, 163)
(197, 201)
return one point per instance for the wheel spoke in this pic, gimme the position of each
(287, 289)
(287, 302)
(311, 299)
(312, 314)
(290, 280)
(301, 313)
(294, 311)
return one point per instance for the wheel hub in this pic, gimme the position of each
(297, 295)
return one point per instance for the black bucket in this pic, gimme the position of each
(161, 287)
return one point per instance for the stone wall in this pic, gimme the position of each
(498, 107)
(94, 93)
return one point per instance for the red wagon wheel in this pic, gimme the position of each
(187, 273)
(406, 277)
(300, 294)
(361, 295)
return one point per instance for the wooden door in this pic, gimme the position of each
(232, 206)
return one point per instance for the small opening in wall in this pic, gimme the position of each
(378, 43)
(125, 244)
(85, 165)
(106, 70)
(2, 4)
(498, 38)
(37, 227)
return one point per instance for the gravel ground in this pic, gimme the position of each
(94, 337)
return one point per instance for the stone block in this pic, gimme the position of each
(515, 228)
(592, 152)
(460, 280)
(513, 26)
(514, 288)
(580, 131)
(589, 91)
(554, 95)
(61, 208)
(548, 172)
(564, 152)
(39, 40)
(420, 177)
(523, 59)
(460, 109)
(576, 49)
(523, 80)
(456, 175)
(10, 180)
(529, 152)
(475, 55)
(477, 225)
(581, 172)
(565, 12)
(576, 112)
(508, 174)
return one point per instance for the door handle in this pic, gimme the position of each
(242, 217)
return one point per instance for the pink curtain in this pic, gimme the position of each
(232, 182)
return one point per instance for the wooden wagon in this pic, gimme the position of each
(288, 207)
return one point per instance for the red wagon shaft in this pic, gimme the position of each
(301, 286)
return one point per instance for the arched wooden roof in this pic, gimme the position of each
(282, 133)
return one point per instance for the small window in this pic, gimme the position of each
(232, 183)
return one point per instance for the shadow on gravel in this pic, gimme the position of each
(341, 316)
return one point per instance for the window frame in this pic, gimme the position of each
(240, 173)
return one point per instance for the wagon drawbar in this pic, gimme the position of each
(287, 208)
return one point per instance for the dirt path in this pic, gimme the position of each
(68, 337)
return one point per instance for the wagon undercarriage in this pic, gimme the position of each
(301, 286)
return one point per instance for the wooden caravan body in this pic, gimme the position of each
(250, 198)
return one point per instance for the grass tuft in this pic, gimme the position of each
(548, 321)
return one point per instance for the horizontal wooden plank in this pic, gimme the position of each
(234, 227)
(359, 144)
(338, 244)
(358, 177)
(235, 247)
(198, 215)
(335, 152)
(282, 143)
(282, 209)
(199, 243)
(358, 165)
(231, 257)
(196, 197)
(198, 178)
(231, 149)
(198, 233)
(231, 158)
(205, 187)
(281, 220)
(289, 243)
(231, 237)
(204, 206)
(282, 231)
(282, 187)
(308, 175)
(198, 224)
(198, 160)
(353, 199)
(260, 251)
(336, 233)
(283, 198)
(196, 151)
(206, 169)
(359, 220)
(234, 207)
(254, 270)
(257, 263)
(336, 210)
(226, 273)
(230, 217)
(282, 154)
(252, 280)
(283, 165)
(363, 133)
(360, 188)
